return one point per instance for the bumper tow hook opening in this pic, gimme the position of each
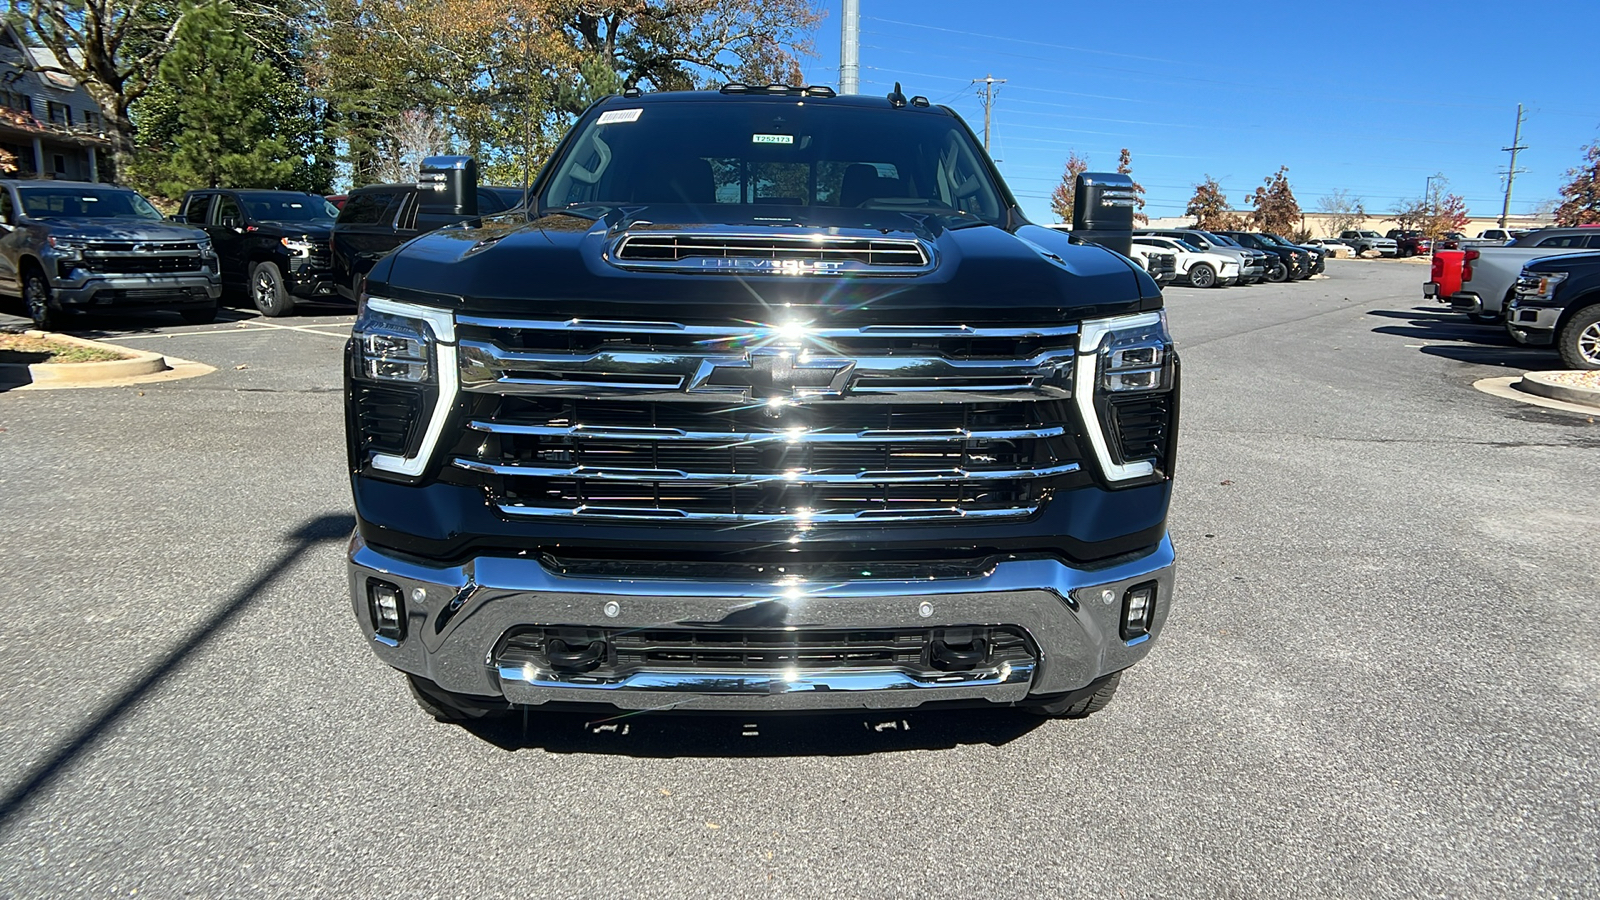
(567, 658)
(948, 658)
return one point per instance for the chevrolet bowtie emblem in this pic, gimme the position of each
(767, 373)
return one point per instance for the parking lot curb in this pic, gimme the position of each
(1541, 384)
(1506, 388)
(139, 367)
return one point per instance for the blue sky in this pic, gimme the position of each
(1371, 98)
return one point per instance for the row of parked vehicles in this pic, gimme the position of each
(72, 247)
(1544, 287)
(1217, 258)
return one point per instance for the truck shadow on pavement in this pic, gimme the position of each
(1463, 340)
(667, 736)
(39, 777)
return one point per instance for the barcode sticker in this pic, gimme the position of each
(620, 115)
(771, 138)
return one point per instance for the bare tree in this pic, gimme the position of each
(408, 139)
(1344, 212)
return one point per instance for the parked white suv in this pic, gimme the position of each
(1196, 266)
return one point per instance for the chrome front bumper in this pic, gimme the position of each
(456, 616)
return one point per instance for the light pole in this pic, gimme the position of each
(1432, 208)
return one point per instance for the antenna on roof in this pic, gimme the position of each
(896, 98)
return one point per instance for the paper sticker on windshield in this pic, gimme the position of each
(620, 115)
(771, 138)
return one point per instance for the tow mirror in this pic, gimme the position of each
(1102, 210)
(447, 188)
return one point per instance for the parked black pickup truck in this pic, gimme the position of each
(272, 244)
(777, 402)
(380, 217)
(1556, 302)
(69, 247)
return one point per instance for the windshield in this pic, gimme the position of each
(85, 203)
(1226, 241)
(285, 206)
(761, 158)
(1192, 248)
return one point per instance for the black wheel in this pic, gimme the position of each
(1201, 275)
(1579, 340)
(267, 291)
(203, 315)
(449, 707)
(1279, 273)
(36, 296)
(1079, 704)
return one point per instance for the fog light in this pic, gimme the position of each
(388, 610)
(1138, 607)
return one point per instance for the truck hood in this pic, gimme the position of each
(119, 229)
(311, 231)
(564, 265)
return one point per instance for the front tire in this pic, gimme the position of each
(1579, 340)
(36, 296)
(1202, 275)
(1279, 273)
(1078, 705)
(267, 290)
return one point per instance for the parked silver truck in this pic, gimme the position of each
(1481, 280)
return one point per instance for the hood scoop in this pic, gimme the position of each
(771, 254)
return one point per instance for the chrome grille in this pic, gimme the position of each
(805, 254)
(663, 421)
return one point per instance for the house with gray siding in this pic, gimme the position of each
(48, 122)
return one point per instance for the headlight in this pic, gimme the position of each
(1125, 391)
(402, 368)
(67, 248)
(297, 247)
(205, 247)
(1539, 286)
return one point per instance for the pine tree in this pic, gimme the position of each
(219, 98)
(1061, 198)
(1580, 196)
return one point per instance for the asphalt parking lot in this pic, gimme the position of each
(1381, 676)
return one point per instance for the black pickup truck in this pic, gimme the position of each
(380, 217)
(273, 245)
(1556, 302)
(775, 402)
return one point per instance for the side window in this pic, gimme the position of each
(228, 209)
(1565, 240)
(1594, 241)
(7, 211)
(366, 209)
(199, 209)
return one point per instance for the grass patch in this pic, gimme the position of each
(23, 349)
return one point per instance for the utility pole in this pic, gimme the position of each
(1511, 173)
(850, 48)
(988, 82)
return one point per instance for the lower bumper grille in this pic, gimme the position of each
(617, 653)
